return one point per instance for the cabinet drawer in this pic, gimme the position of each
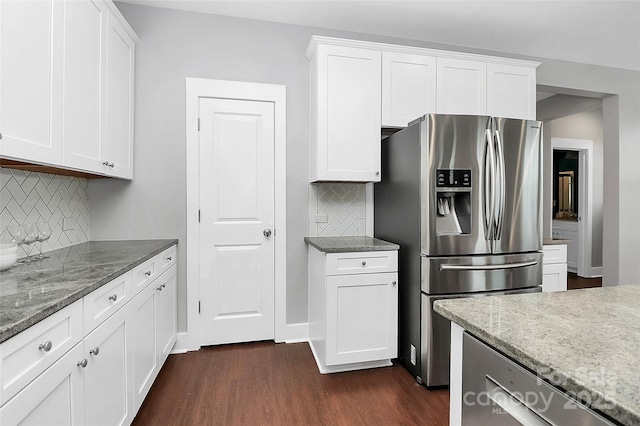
(166, 259)
(362, 263)
(101, 303)
(26, 355)
(554, 254)
(143, 274)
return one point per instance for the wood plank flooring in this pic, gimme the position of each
(264, 383)
(574, 281)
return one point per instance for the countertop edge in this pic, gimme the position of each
(617, 412)
(386, 246)
(68, 300)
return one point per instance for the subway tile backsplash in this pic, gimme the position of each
(28, 197)
(344, 206)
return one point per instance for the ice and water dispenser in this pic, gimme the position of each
(453, 201)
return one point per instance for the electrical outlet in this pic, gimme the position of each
(321, 218)
(413, 355)
(67, 224)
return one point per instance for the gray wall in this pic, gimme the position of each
(174, 45)
(586, 124)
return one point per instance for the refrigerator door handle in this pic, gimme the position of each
(501, 186)
(446, 267)
(489, 183)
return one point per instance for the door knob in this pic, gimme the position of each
(266, 233)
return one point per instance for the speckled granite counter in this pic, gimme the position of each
(349, 244)
(587, 340)
(30, 293)
(554, 241)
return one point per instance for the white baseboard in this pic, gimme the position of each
(184, 343)
(297, 333)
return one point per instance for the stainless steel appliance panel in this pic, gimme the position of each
(520, 226)
(500, 392)
(453, 142)
(472, 274)
(436, 336)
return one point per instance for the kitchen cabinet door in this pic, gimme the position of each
(31, 46)
(554, 277)
(408, 87)
(362, 319)
(461, 86)
(84, 73)
(167, 314)
(56, 397)
(345, 116)
(117, 151)
(511, 91)
(144, 309)
(108, 387)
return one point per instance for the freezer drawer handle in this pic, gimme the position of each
(487, 267)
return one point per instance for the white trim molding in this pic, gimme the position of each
(197, 88)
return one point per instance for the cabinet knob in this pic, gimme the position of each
(0, 136)
(95, 351)
(148, 273)
(105, 163)
(364, 263)
(394, 282)
(113, 298)
(46, 346)
(377, 173)
(169, 258)
(83, 363)
(159, 288)
(111, 165)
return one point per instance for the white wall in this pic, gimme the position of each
(174, 45)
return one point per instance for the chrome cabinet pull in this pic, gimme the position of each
(394, 282)
(159, 288)
(111, 165)
(83, 363)
(46, 346)
(105, 163)
(113, 298)
(148, 273)
(377, 173)
(169, 258)
(364, 263)
(95, 351)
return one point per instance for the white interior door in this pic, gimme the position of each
(237, 215)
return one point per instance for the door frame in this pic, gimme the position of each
(197, 88)
(585, 199)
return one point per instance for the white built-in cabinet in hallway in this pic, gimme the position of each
(345, 117)
(66, 79)
(358, 87)
(353, 309)
(94, 361)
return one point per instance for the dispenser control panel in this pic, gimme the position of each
(453, 178)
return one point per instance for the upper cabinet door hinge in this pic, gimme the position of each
(198, 216)
(198, 123)
(199, 311)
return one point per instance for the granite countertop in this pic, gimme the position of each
(547, 241)
(349, 244)
(579, 340)
(30, 293)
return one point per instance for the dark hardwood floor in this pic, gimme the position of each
(574, 281)
(265, 383)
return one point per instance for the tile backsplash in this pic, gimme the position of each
(344, 205)
(28, 197)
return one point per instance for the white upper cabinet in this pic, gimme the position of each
(511, 91)
(84, 70)
(345, 113)
(462, 86)
(408, 87)
(66, 77)
(117, 150)
(31, 45)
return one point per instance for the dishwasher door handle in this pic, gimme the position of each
(447, 267)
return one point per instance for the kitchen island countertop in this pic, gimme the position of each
(30, 293)
(580, 340)
(349, 244)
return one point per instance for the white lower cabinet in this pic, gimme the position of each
(154, 331)
(353, 315)
(56, 397)
(554, 267)
(104, 378)
(108, 392)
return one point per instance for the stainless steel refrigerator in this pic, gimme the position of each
(462, 196)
